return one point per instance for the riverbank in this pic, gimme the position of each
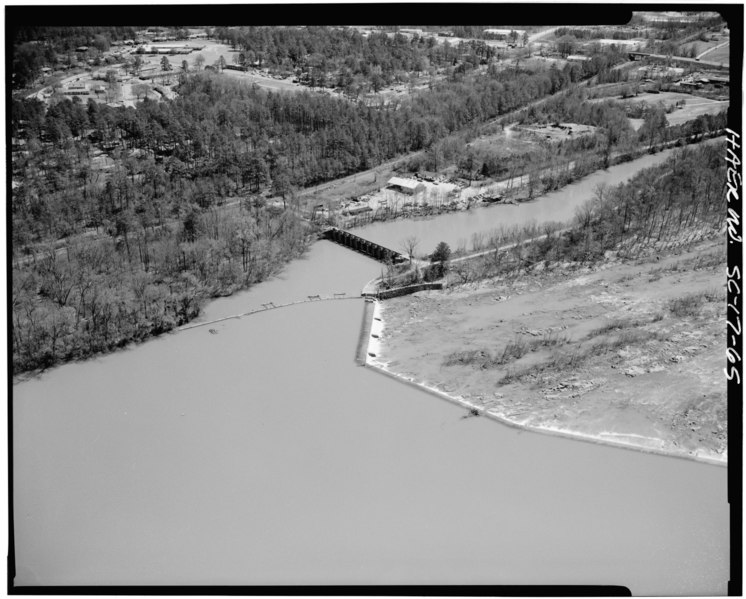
(625, 353)
(445, 198)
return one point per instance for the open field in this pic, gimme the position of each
(263, 81)
(693, 107)
(667, 98)
(692, 110)
(700, 46)
(331, 193)
(636, 123)
(536, 62)
(506, 140)
(721, 55)
(623, 352)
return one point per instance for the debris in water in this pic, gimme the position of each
(472, 413)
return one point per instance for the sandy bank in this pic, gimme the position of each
(663, 393)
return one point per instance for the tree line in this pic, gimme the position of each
(102, 293)
(661, 206)
(345, 57)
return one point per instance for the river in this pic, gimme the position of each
(457, 228)
(264, 455)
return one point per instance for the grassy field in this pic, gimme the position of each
(284, 85)
(721, 55)
(699, 46)
(694, 106)
(694, 109)
(331, 193)
(512, 143)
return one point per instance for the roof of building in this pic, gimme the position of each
(613, 42)
(405, 183)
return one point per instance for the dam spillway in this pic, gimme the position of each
(368, 248)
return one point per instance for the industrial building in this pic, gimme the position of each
(75, 90)
(407, 186)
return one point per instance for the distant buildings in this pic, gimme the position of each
(676, 17)
(167, 49)
(504, 34)
(75, 90)
(700, 80)
(660, 71)
(629, 44)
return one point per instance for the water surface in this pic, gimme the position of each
(263, 455)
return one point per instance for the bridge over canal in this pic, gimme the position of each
(369, 248)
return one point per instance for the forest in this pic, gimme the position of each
(103, 293)
(347, 59)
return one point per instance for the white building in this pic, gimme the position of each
(407, 186)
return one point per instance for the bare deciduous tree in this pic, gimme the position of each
(409, 245)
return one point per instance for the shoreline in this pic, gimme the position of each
(377, 325)
(352, 222)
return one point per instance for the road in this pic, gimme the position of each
(510, 246)
(689, 61)
(535, 36)
(711, 49)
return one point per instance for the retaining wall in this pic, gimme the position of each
(398, 291)
(361, 353)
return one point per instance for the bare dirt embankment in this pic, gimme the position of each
(628, 353)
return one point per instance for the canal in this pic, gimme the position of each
(262, 454)
(457, 228)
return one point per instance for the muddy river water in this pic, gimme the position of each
(264, 455)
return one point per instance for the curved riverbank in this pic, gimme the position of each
(381, 358)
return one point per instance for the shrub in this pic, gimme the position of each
(442, 253)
